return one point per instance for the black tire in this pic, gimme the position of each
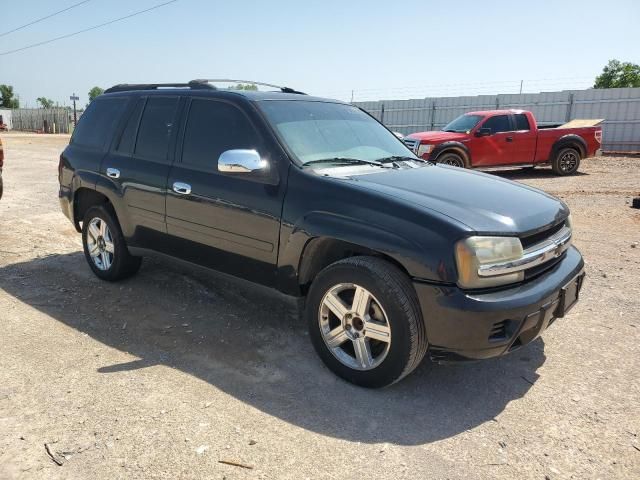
(453, 159)
(566, 161)
(391, 288)
(123, 264)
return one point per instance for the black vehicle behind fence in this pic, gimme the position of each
(395, 256)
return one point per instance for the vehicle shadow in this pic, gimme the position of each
(250, 344)
(529, 174)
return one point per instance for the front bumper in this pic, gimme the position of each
(473, 326)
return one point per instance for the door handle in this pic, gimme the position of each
(509, 139)
(113, 173)
(182, 188)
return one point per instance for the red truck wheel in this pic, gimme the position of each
(566, 162)
(453, 159)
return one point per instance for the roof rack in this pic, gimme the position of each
(127, 87)
(208, 81)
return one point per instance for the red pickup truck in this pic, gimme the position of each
(508, 138)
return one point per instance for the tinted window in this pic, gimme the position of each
(522, 122)
(98, 122)
(497, 124)
(212, 128)
(155, 127)
(128, 139)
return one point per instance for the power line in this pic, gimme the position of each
(87, 29)
(43, 18)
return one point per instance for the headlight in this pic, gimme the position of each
(422, 149)
(473, 252)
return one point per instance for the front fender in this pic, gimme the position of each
(350, 230)
(450, 145)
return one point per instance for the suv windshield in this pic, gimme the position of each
(316, 131)
(463, 124)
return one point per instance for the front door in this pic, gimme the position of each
(497, 148)
(229, 221)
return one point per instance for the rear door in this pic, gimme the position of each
(524, 140)
(226, 221)
(139, 163)
(498, 148)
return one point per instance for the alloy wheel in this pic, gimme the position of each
(354, 326)
(100, 243)
(568, 161)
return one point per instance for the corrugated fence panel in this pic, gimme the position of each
(620, 107)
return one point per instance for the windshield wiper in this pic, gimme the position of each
(395, 158)
(346, 161)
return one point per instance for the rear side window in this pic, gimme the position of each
(497, 124)
(156, 127)
(212, 128)
(98, 123)
(127, 142)
(522, 122)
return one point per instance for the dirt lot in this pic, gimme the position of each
(165, 374)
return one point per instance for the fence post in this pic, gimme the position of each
(433, 114)
(569, 107)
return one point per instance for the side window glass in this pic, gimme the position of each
(127, 141)
(212, 128)
(522, 122)
(497, 124)
(98, 123)
(156, 127)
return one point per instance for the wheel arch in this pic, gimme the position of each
(570, 140)
(451, 147)
(320, 239)
(320, 252)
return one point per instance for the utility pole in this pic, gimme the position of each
(75, 114)
(521, 81)
(351, 97)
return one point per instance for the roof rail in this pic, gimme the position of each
(127, 87)
(229, 80)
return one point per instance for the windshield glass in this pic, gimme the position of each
(463, 124)
(324, 131)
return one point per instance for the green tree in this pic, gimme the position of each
(617, 74)
(45, 102)
(245, 86)
(7, 99)
(94, 92)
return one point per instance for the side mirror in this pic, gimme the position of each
(241, 161)
(483, 132)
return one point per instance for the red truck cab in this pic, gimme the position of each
(508, 138)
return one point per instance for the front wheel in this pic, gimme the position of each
(104, 246)
(453, 159)
(365, 321)
(566, 162)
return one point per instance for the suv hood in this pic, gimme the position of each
(438, 136)
(485, 203)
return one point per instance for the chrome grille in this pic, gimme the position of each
(412, 143)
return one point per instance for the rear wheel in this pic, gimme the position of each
(566, 162)
(104, 246)
(365, 321)
(453, 159)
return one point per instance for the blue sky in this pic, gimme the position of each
(380, 49)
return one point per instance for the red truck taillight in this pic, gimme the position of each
(598, 135)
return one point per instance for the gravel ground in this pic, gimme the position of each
(170, 372)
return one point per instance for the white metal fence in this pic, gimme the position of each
(620, 107)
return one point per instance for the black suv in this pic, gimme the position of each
(396, 256)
